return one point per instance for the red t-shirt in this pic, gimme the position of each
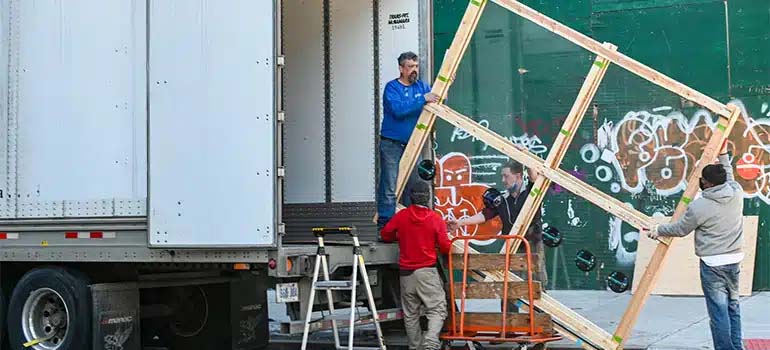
(418, 231)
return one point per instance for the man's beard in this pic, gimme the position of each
(412, 77)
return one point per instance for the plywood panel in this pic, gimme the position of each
(680, 273)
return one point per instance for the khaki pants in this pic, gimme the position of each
(423, 288)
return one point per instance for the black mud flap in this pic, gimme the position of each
(248, 312)
(116, 316)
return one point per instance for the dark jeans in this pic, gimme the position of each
(390, 157)
(720, 287)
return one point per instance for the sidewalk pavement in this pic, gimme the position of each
(666, 323)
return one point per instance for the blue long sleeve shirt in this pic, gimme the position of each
(402, 106)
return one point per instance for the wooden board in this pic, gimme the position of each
(494, 290)
(680, 273)
(515, 322)
(518, 262)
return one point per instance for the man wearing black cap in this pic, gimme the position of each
(419, 230)
(717, 220)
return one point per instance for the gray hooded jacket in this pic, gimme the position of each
(716, 218)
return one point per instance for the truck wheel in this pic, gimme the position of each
(51, 308)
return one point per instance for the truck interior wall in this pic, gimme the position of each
(335, 123)
(352, 129)
(303, 89)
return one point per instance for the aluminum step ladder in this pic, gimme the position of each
(351, 285)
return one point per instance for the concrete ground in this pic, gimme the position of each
(666, 323)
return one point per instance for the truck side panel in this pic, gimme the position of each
(76, 83)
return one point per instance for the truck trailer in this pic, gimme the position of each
(163, 162)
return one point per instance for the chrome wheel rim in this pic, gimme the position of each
(45, 317)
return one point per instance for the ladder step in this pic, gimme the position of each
(360, 348)
(334, 285)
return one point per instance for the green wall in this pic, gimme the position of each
(638, 143)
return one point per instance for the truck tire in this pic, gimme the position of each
(53, 304)
(2, 318)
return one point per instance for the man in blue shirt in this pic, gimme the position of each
(402, 102)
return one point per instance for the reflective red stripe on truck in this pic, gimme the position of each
(89, 235)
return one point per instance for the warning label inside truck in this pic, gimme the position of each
(398, 21)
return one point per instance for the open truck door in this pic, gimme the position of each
(211, 98)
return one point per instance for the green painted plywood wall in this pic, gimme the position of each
(638, 142)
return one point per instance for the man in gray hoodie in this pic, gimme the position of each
(717, 219)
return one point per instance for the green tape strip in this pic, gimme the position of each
(599, 64)
(421, 126)
(686, 200)
(536, 192)
(617, 339)
(443, 78)
(477, 2)
(721, 127)
(564, 132)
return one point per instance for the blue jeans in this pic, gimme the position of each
(720, 287)
(390, 156)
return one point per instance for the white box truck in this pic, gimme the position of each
(162, 162)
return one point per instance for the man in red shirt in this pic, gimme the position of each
(418, 230)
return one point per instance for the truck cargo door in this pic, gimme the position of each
(212, 173)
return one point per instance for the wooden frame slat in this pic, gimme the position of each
(516, 322)
(518, 262)
(494, 290)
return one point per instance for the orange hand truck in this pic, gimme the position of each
(503, 327)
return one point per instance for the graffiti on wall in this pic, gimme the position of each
(457, 196)
(461, 180)
(531, 142)
(660, 147)
(650, 154)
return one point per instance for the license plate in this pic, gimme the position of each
(287, 292)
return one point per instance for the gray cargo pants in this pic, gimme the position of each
(423, 288)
